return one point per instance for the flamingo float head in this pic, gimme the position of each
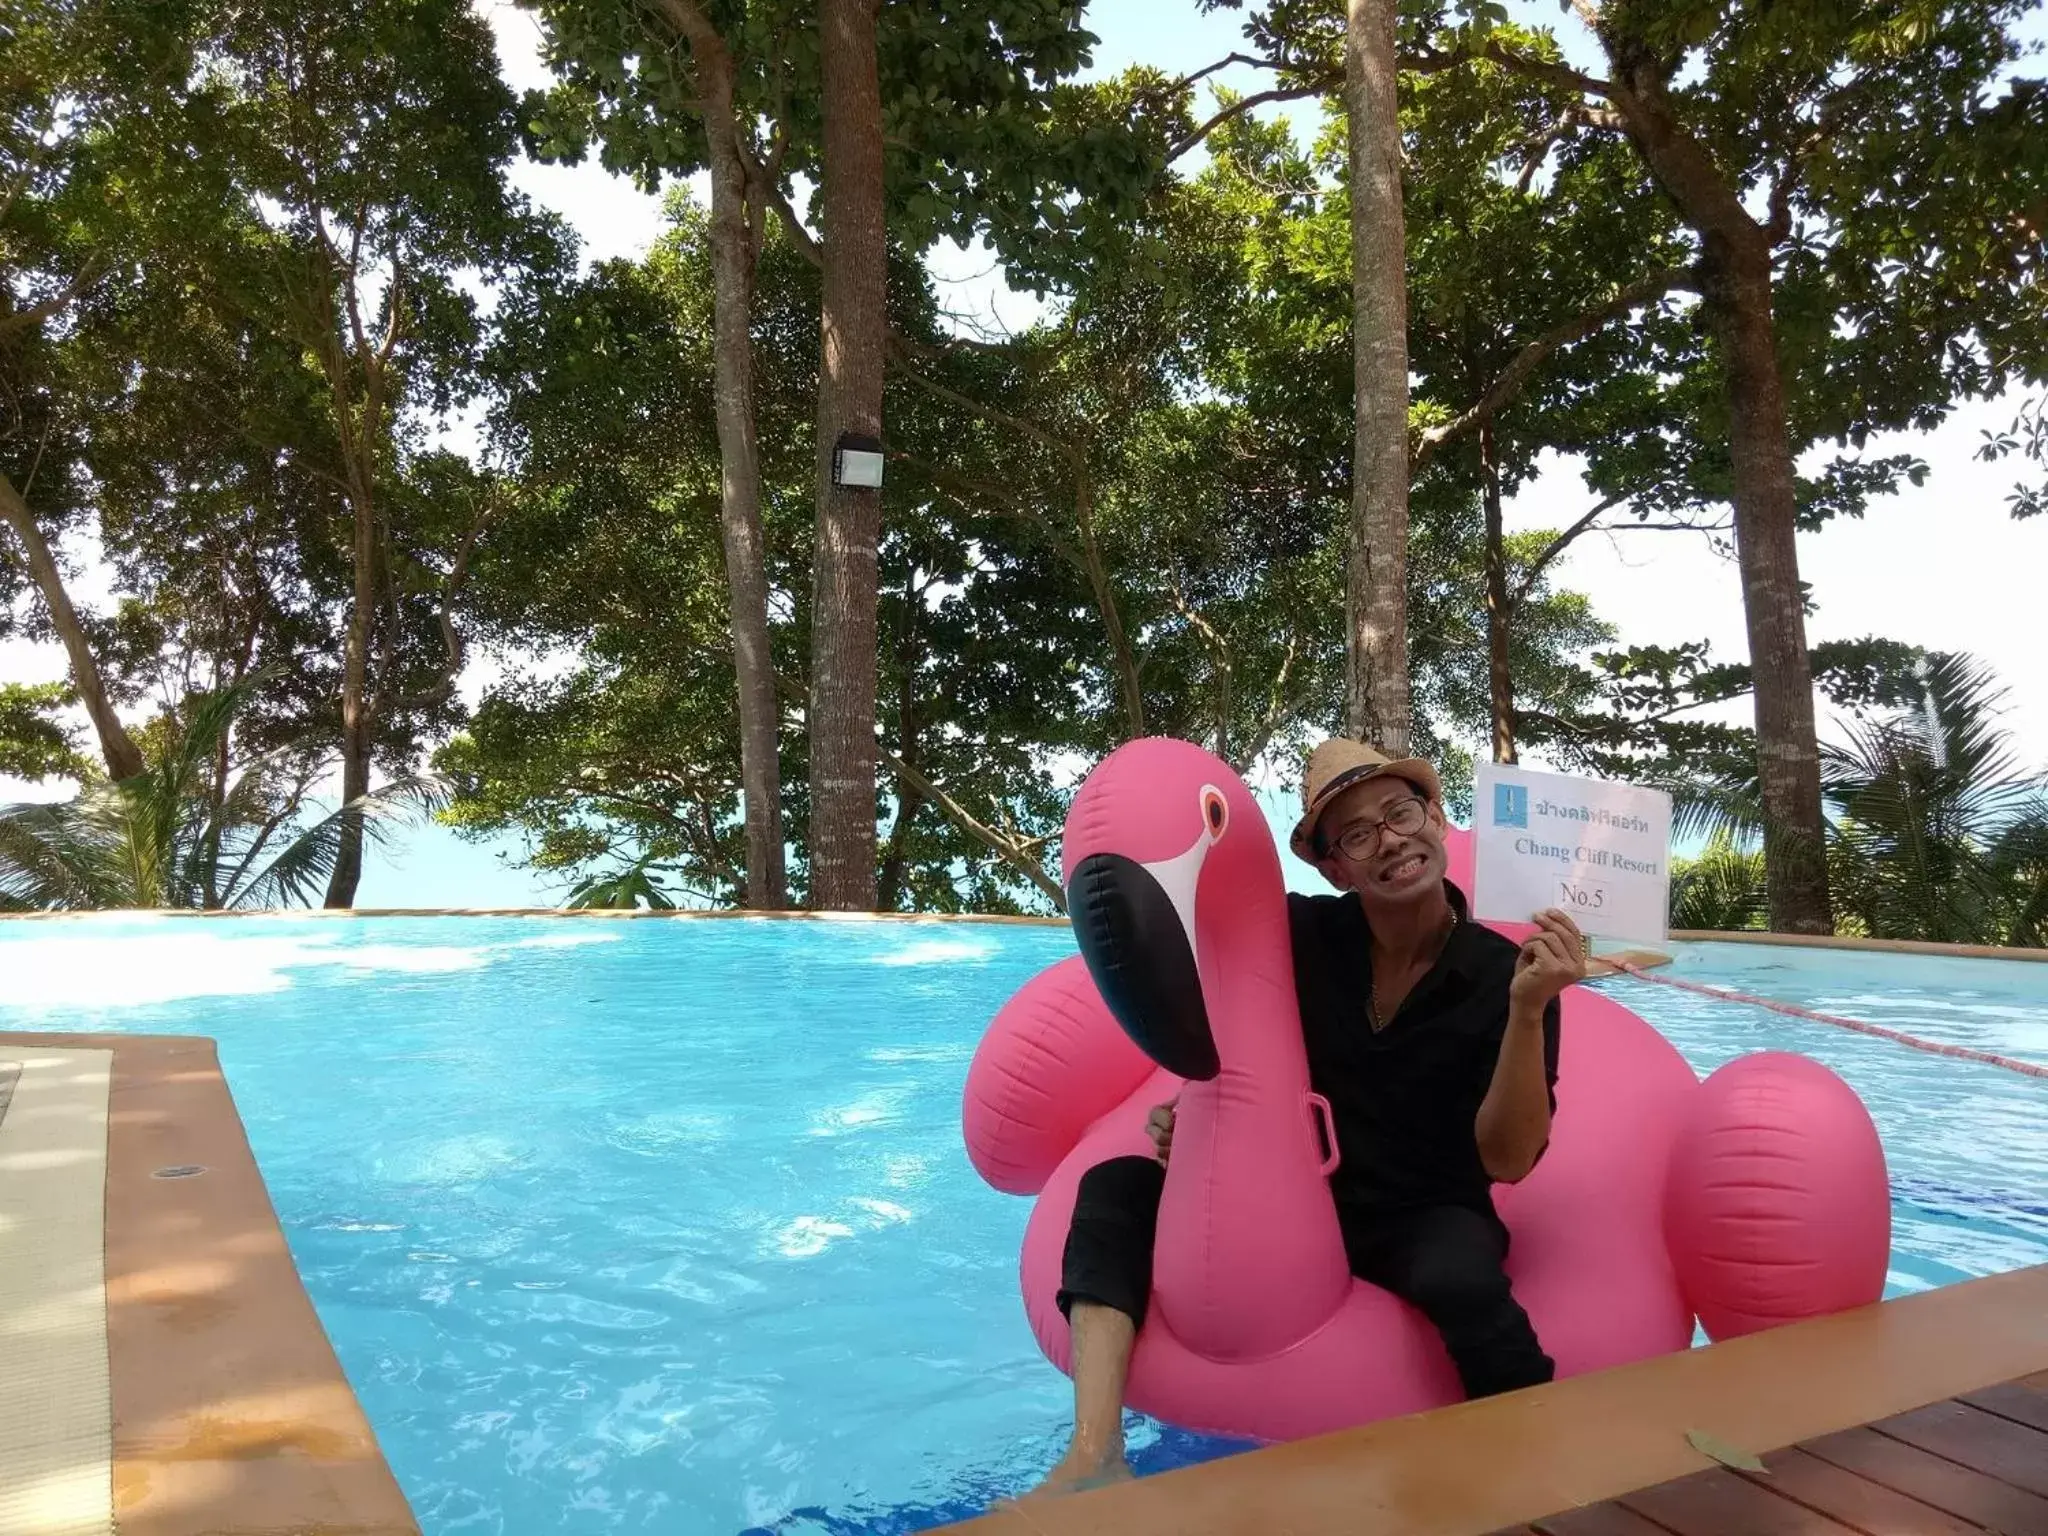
(1156, 824)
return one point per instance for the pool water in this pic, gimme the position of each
(666, 1226)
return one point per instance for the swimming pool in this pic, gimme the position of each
(666, 1225)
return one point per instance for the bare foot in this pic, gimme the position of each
(1080, 1470)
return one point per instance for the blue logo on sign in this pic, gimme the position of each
(1510, 805)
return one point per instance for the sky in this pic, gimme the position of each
(1941, 565)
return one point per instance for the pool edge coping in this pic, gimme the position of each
(1923, 947)
(229, 1407)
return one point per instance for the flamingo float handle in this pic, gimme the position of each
(1321, 1108)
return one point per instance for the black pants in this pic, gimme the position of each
(1445, 1260)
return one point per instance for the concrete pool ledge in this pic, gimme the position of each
(999, 919)
(1530, 1456)
(1864, 946)
(225, 1407)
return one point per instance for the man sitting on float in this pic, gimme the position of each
(1434, 1041)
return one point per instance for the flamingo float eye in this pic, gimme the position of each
(1215, 811)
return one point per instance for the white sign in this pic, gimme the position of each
(1592, 848)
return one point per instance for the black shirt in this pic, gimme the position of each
(1404, 1098)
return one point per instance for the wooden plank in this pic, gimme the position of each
(1933, 1480)
(1720, 1503)
(2016, 1401)
(1857, 1502)
(1982, 1441)
(1599, 1520)
(1588, 1439)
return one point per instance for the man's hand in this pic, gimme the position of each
(1552, 959)
(1159, 1126)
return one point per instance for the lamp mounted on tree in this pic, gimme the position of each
(857, 462)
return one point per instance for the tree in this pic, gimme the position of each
(853, 323)
(161, 839)
(372, 140)
(1376, 621)
(608, 552)
(1522, 335)
(1720, 889)
(1835, 304)
(1938, 833)
(962, 123)
(689, 70)
(99, 114)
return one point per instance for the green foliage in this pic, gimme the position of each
(34, 744)
(244, 258)
(634, 887)
(2028, 438)
(981, 132)
(1721, 889)
(183, 835)
(1934, 831)
(1938, 834)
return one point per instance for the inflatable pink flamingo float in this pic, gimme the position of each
(1755, 1198)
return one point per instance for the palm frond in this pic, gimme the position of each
(52, 860)
(1722, 889)
(1921, 799)
(299, 872)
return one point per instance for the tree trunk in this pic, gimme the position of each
(854, 324)
(1766, 510)
(732, 273)
(357, 733)
(1130, 686)
(1735, 289)
(1376, 702)
(123, 757)
(1499, 611)
(909, 798)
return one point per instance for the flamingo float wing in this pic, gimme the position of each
(1052, 1064)
(1777, 1203)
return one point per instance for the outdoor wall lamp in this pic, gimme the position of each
(857, 462)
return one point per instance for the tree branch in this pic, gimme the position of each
(1254, 61)
(1537, 150)
(21, 319)
(1241, 106)
(904, 350)
(806, 242)
(1008, 848)
(1515, 377)
(1544, 70)
(1013, 850)
(451, 639)
(1558, 545)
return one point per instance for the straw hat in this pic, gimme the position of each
(1339, 764)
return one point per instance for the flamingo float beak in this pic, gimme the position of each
(1135, 924)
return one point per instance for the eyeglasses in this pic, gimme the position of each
(1404, 818)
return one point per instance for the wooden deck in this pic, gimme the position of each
(1973, 1464)
(1925, 1416)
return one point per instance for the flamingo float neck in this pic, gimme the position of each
(1248, 1160)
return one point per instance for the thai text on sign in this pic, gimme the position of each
(1593, 848)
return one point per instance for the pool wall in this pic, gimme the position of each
(229, 1409)
(1676, 935)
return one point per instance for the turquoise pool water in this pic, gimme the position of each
(666, 1226)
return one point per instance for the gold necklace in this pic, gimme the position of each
(1372, 991)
